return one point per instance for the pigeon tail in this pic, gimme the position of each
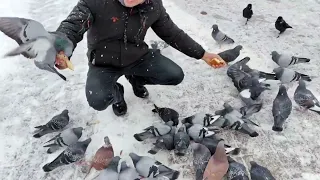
(306, 77)
(315, 109)
(277, 128)
(303, 60)
(268, 76)
(143, 136)
(154, 150)
(52, 149)
(233, 151)
(156, 109)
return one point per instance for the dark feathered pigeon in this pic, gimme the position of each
(281, 109)
(230, 54)
(247, 12)
(281, 25)
(258, 172)
(305, 98)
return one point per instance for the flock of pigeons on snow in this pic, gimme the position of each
(211, 156)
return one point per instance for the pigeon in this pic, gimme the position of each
(64, 139)
(281, 25)
(111, 172)
(256, 74)
(164, 142)
(249, 110)
(156, 130)
(128, 173)
(247, 12)
(305, 98)
(218, 164)
(281, 109)
(286, 60)
(219, 36)
(233, 69)
(103, 156)
(201, 118)
(201, 156)
(35, 42)
(58, 122)
(212, 142)
(230, 54)
(236, 121)
(258, 172)
(181, 141)
(149, 167)
(72, 154)
(236, 171)
(167, 114)
(198, 132)
(285, 75)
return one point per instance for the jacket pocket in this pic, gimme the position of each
(106, 55)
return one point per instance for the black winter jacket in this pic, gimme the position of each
(115, 34)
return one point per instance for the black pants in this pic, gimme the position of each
(152, 69)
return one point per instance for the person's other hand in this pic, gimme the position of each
(213, 60)
(63, 62)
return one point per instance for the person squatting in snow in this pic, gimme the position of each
(115, 35)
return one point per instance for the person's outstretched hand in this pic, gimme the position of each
(213, 60)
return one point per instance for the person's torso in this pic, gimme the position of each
(117, 33)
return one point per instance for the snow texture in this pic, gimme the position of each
(30, 97)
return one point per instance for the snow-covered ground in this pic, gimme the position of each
(30, 97)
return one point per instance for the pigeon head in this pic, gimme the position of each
(195, 146)
(78, 131)
(65, 111)
(114, 162)
(238, 48)
(282, 89)
(278, 71)
(86, 142)
(279, 19)
(106, 141)
(215, 28)
(227, 107)
(302, 83)
(123, 165)
(135, 157)
(253, 164)
(275, 55)
(182, 129)
(249, 6)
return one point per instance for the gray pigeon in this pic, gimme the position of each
(64, 139)
(149, 167)
(201, 156)
(258, 172)
(165, 142)
(236, 121)
(156, 130)
(72, 154)
(128, 173)
(181, 141)
(111, 172)
(281, 109)
(305, 98)
(58, 122)
(167, 114)
(219, 36)
(236, 171)
(230, 54)
(197, 131)
(286, 75)
(212, 142)
(233, 69)
(201, 118)
(37, 43)
(286, 60)
(249, 110)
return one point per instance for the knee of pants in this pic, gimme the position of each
(99, 102)
(176, 77)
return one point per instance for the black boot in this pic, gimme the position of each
(120, 108)
(139, 90)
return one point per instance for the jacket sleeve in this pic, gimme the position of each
(168, 31)
(78, 21)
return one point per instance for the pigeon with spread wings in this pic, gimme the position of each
(35, 42)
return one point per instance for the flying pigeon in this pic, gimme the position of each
(286, 60)
(258, 172)
(230, 54)
(281, 109)
(72, 154)
(247, 12)
(58, 122)
(64, 139)
(305, 98)
(110, 172)
(35, 42)
(286, 75)
(281, 25)
(167, 114)
(219, 36)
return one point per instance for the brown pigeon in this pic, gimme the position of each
(103, 156)
(218, 164)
